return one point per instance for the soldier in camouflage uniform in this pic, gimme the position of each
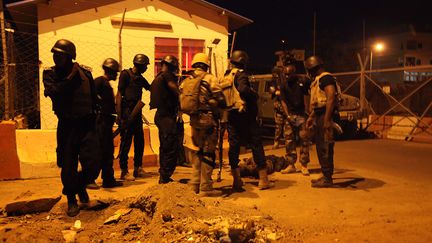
(279, 115)
(204, 127)
(294, 93)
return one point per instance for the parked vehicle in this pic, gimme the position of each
(349, 109)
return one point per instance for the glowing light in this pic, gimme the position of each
(379, 47)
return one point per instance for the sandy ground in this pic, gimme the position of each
(382, 194)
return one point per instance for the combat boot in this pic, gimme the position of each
(139, 172)
(304, 170)
(323, 182)
(264, 182)
(290, 169)
(206, 187)
(111, 183)
(93, 186)
(126, 176)
(237, 181)
(73, 209)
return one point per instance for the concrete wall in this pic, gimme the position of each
(35, 151)
(96, 38)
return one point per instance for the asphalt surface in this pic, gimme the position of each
(407, 160)
(382, 193)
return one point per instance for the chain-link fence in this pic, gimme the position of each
(20, 82)
(399, 92)
(91, 53)
(378, 97)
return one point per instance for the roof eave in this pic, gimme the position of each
(235, 21)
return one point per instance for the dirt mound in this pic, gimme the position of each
(165, 213)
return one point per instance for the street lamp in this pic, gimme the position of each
(378, 47)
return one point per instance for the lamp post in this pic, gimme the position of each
(378, 47)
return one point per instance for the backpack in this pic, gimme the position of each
(189, 94)
(232, 96)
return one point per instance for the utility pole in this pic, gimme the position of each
(364, 39)
(120, 40)
(5, 61)
(314, 33)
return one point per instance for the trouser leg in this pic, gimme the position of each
(138, 134)
(168, 146)
(234, 145)
(254, 138)
(290, 144)
(325, 149)
(125, 144)
(107, 145)
(90, 152)
(67, 157)
(304, 144)
(279, 127)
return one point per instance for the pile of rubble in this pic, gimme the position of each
(176, 214)
(164, 213)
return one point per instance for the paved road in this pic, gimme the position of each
(383, 194)
(407, 160)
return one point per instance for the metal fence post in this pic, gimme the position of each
(5, 61)
(362, 94)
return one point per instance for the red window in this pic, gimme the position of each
(170, 46)
(164, 47)
(190, 47)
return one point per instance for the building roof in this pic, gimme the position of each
(235, 21)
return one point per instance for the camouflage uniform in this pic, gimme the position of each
(280, 120)
(279, 116)
(293, 93)
(204, 132)
(294, 130)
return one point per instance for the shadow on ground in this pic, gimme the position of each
(357, 183)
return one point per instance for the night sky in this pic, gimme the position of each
(338, 22)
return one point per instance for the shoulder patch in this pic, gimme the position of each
(86, 68)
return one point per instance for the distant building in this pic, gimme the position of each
(405, 49)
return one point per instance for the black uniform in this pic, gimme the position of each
(243, 128)
(293, 92)
(325, 149)
(130, 88)
(166, 102)
(74, 103)
(104, 90)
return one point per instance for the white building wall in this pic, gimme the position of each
(96, 39)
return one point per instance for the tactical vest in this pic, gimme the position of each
(80, 101)
(318, 97)
(133, 91)
(232, 95)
